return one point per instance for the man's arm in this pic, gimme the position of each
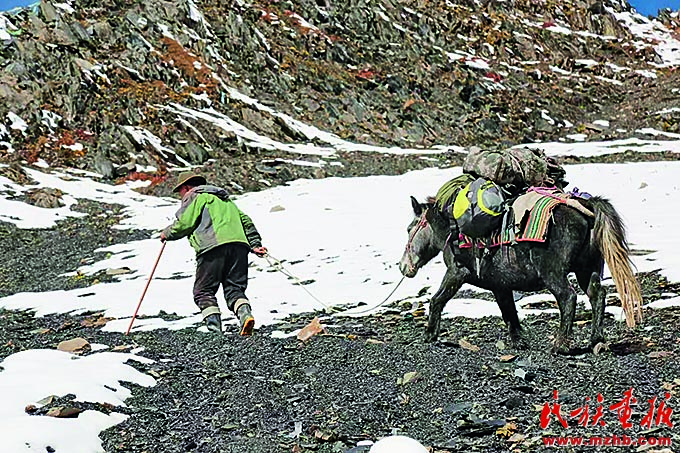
(254, 238)
(188, 219)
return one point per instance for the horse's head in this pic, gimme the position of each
(420, 248)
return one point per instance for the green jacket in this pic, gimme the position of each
(210, 218)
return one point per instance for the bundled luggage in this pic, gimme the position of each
(478, 208)
(491, 180)
(515, 168)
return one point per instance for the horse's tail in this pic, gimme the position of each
(609, 236)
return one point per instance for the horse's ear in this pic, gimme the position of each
(417, 208)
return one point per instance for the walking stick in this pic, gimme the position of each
(145, 288)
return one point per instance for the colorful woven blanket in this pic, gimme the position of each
(536, 227)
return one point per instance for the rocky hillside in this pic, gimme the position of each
(131, 88)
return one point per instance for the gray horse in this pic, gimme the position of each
(574, 244)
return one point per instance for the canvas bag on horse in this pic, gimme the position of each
(478, 208)
(518, 167)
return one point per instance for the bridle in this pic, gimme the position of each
(409, 245)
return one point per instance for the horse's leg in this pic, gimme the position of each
(559, 286)
(451, 283)
(590, 283)
(506, 302)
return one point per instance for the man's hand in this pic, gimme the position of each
(260, 251)
(163, 238)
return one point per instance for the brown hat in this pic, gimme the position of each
(189, 176)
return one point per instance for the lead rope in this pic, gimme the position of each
(278, 265)
(421, 224)
(381, 303)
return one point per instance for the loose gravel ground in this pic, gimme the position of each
(262, 394)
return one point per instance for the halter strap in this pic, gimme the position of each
(409, 245)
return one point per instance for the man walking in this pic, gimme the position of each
(222, 236)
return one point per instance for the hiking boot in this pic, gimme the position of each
(214, 323)
(245, 320)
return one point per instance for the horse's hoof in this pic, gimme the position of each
(599, 347)
(561, 347)
(430, 337)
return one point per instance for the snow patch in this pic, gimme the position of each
(29, 376)
(17, 123)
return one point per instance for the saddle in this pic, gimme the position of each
(523, 219)
(533, 209)
(517, 219)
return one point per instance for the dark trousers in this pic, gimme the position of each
(227, 265)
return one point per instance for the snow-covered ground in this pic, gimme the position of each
(30, 376)
(346, 235)
(608, 147)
